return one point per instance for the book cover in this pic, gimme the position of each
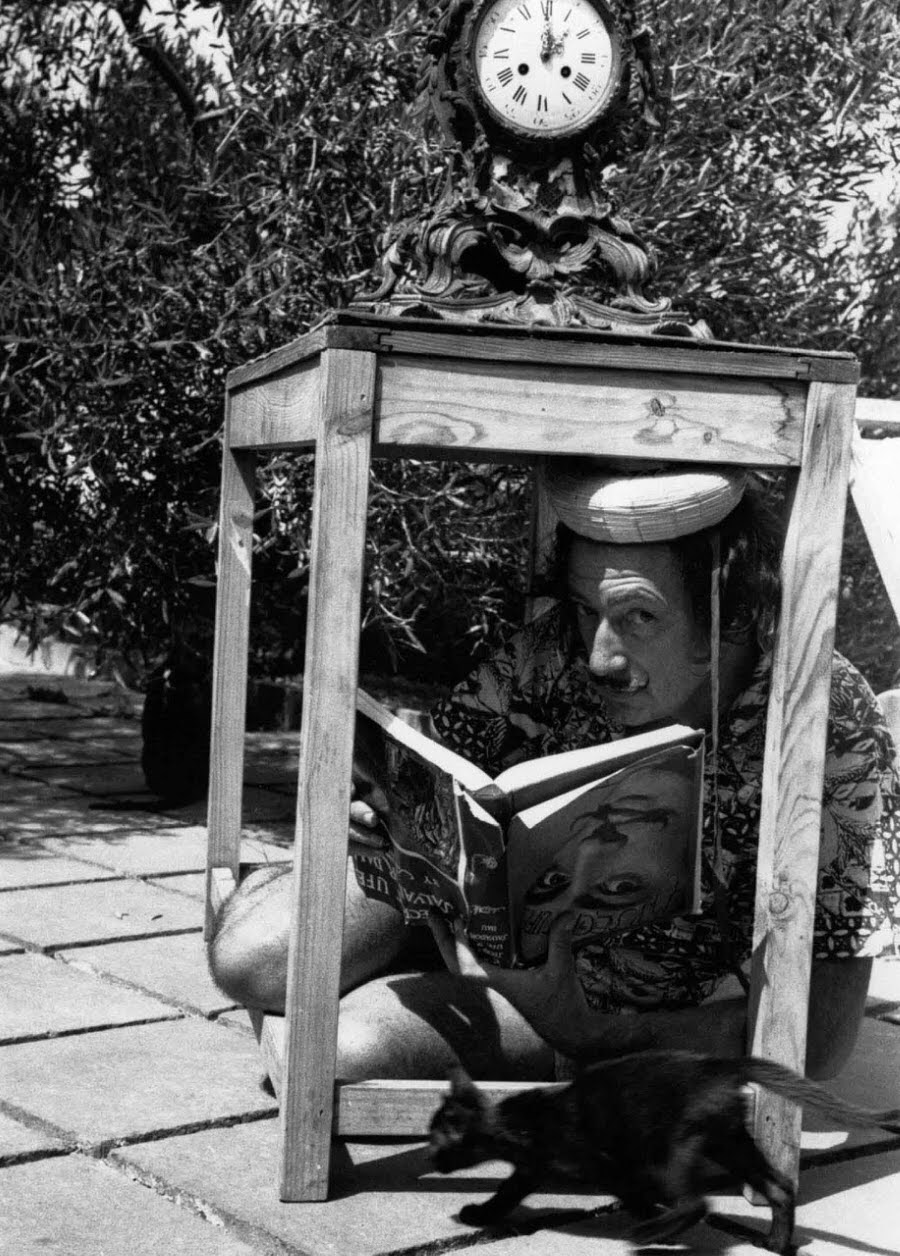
(611, 832)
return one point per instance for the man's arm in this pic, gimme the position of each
(552, 1001)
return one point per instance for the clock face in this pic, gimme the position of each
(545, 68)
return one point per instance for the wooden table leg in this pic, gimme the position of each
(343, 451)
(790, 820)
(229, 697)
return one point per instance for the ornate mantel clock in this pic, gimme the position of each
(536, 97)
(543, 73)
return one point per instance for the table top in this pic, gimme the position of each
(567, 347)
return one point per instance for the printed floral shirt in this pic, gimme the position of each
(535, 696)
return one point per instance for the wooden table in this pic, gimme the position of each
(359, 386)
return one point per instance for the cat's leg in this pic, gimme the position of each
(503, 1201)
(670, 1222)
(677, 1186)
(741, 1156)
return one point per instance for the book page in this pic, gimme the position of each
(418, 743)
(619, 852)
(445, 852)
(527, 784)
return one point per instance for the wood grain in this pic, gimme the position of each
(222, 883)
(326, 335)
(373, 1109)
(232, 631)
(457, 408)
(790, 819)
(875, 484)
(279, 412)
(554, 346)
(326, 750)
(649, 353)
(394, 1108)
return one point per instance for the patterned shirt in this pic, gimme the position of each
(536, 696)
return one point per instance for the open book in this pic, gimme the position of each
(611, 832)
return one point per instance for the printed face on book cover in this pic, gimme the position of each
(623, 862)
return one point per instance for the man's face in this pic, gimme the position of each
(647, 655)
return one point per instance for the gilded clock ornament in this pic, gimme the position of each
(535, 98)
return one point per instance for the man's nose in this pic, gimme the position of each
(608, 657)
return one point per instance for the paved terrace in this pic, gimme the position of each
(132, 1118)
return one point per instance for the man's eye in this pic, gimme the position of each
(639, 618)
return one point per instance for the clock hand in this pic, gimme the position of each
(550, 45)
(547, 42)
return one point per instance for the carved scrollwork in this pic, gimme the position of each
(520, 234)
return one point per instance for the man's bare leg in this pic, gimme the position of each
(419, 1025)
(248, 950)
(396, 1025)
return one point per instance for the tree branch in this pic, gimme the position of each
(158, 59)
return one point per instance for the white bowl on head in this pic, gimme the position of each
(606, 504)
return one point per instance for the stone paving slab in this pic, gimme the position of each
(33, 864)
(17, 1139)
(92, 692)
(42, 996)
(383, 1196)
(884, 988)
(101, 730)
(20, 708)
(260, 744)
(167, 848)
(101, 780)
(123, 1083)
(174, 968)
(870, 1079)
(21, 791)
(851, 1207)
(64, 751)
(279, 775)
(30, 810)
(191, 884)
(14, 731)
(57, 916)
(170, 849)
(261, 807)
(74, 1206)
(279, 832)
(607, 1235)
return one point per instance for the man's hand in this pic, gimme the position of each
(368, 816)
(549, 997)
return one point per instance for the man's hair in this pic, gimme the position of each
(750, 540)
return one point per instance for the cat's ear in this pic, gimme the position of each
(461, 1084)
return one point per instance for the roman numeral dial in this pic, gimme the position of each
(545, 68)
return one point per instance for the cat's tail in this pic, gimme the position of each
(791, 1085)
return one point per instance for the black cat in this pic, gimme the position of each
(654, 1128)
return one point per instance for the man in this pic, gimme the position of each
(642, 563)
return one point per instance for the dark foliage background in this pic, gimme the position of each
(165, 219)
